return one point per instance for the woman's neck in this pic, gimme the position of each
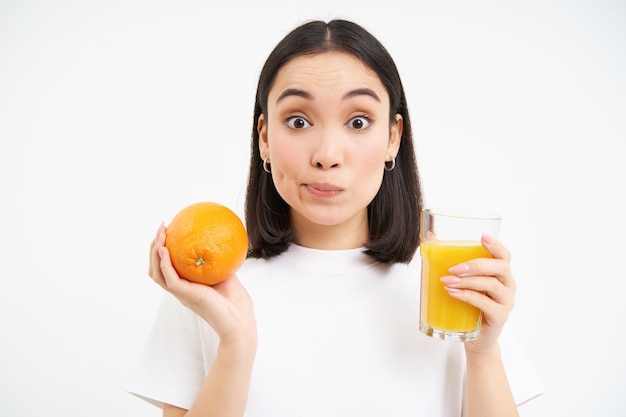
(351, 234)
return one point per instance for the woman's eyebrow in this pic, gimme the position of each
(294, 92)
(361, 92)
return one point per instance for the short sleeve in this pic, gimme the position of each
(523, 380)
(171, 368)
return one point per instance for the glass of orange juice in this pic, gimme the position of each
(448, 238)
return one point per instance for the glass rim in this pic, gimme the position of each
(462, 213)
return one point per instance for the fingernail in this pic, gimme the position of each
(459, 269)
(448, 280)
(488, 239)
(160, 250)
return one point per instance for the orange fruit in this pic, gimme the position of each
(207, 242)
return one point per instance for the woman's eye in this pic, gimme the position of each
(297, 122)
(359, 122)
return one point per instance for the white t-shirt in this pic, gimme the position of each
(337, 336)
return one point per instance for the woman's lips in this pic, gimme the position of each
(323, 190)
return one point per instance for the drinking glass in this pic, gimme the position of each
(448, 238)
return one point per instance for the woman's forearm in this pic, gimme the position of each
(225, 390)
(487, 390)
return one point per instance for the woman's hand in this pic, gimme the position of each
(489, 285)
(226, 306)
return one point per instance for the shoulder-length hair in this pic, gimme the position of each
(394, 213)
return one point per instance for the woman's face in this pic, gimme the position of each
(327, 137)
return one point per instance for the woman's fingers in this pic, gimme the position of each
(152, 253)
(152, 248)
(497, 267)
(164, 273)
(189, 293)
(154, 269)
(488, 267)
(484, 285)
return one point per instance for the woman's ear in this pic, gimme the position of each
(261, 129)
(395, 137)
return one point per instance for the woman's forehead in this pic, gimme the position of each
(332, 70)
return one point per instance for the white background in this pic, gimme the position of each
(116, 114)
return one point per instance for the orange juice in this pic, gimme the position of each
(439, 310)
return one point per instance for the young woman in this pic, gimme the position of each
(332, 213)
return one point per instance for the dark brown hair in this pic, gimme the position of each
(394, 213)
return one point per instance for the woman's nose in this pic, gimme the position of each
(328, 152)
